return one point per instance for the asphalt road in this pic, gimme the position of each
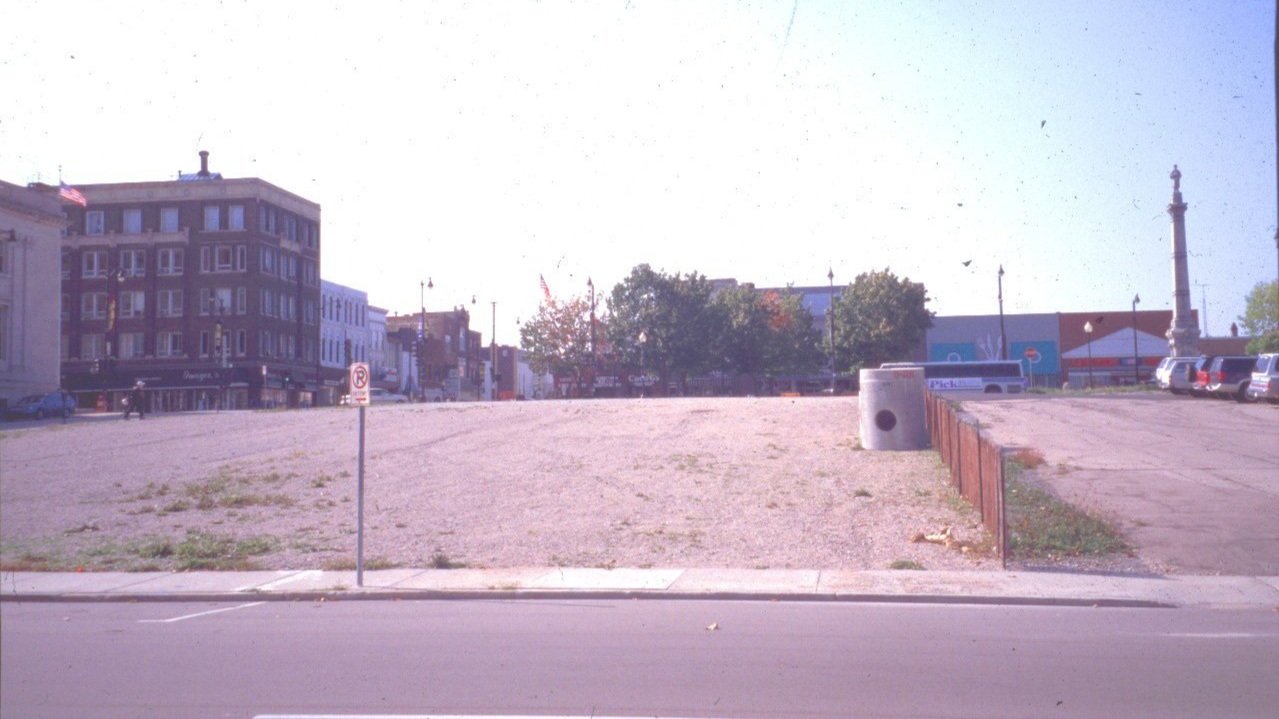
(631, 658)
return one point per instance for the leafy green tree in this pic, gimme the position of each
(766, 332)
(558, 340)
(674, 314)
(1260, 317)
(879, 318)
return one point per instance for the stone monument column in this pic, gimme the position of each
(1183, 335)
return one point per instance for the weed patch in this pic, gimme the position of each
(1041, 525)
(205, 550)
(905, 564)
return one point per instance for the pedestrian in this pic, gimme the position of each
(135, 401)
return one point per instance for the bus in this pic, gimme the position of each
(998, 376)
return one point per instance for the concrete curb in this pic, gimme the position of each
(523, 584)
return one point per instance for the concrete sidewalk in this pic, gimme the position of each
(1046, 588)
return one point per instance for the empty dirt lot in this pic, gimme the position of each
(661, 482)
(1192, 483)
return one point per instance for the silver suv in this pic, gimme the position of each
(1265, 378)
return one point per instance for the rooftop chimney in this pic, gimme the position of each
(204, 163)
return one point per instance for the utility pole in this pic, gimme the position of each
(493, 349)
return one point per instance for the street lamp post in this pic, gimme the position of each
(1003, 336)
(493, 350)
(830, 316)
(421, 340)
(1136, 360)
(591, 286)
(1088, 331)
(643, 340)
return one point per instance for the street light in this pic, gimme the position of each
(493, 349)
(830, 317)
(1088, 331)
(643, 340)
(1003, 336)
(591, 286)
(1136, 360)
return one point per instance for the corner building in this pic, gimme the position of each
(207, 289)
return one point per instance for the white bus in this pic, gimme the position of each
(993, 377)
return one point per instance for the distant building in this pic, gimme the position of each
(344, 335)
(31, 227)
(205, 288)
(378, 365)
(449, 355)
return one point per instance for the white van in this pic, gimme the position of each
(1265, 378)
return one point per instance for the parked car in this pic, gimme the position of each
(1176, 374)
(1265, 378)
(1229, 376)
(39, 406)
(377, 394)
(1199, 384)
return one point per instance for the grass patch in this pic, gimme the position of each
(859, 492)
(346, 564)
(440, 560)
(226, 490)
(905, 564)
(205, 550)
(1041, 525)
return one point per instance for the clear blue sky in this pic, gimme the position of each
(485, 143)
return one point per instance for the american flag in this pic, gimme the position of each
(71, 194)
(546, 291)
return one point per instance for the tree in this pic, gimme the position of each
(766, 332)
(558, 340)
(676, 317)
(879, 318)
(1260, 317)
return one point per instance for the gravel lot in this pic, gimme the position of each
(768, 482)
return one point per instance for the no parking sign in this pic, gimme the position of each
(359, 384)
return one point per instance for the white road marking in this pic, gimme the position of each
(1219, 635)
(199, 614)
(437, 716)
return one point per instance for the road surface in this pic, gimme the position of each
(633, 658)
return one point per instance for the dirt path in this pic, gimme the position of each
(692, 482)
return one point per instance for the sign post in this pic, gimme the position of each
(1032, 358)
(359, 384)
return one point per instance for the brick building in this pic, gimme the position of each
(450, 361)
(205, 288)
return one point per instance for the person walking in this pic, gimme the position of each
(135, 401)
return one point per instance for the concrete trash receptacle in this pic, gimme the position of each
(891, 409)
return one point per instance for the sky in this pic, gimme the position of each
(485, 144)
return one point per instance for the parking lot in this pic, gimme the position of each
(1193, 483)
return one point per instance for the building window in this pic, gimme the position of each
(241, 301)
(93, 305)
(91, 346)
(241, 342)
(268, 260)
(133, 222)
(168, 344)
(66, 307)
(222, 258)
(168, 261)
(4, 333)
(95, 222)
(66, 346)
(132, 304)
(67, 264)
(235, 217)
(169, 303)
(132, 344)
(212, 218)
(93, 263)
(261, 218)
(168, 219)
(241, 257)
(264, 341)
(205, 344)
(133, 263)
